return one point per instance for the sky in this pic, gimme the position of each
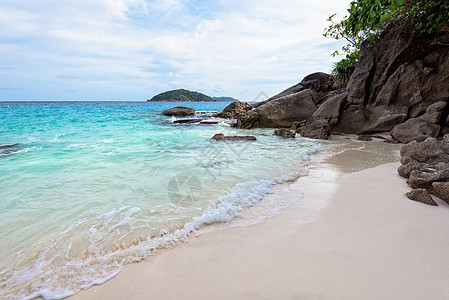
(135, 49)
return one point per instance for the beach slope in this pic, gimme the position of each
(369, 242)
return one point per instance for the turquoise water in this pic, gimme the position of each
(87, 187)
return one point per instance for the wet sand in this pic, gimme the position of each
(354, 235)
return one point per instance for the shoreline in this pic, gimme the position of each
(368, 242)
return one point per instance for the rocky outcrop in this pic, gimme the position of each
(400, 84)
(414, 129)
(222, 137)
(179, 111)
(403, 77)
(285, 133)
(234, 110)
(426, 165)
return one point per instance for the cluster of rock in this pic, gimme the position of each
(399, 86)
(426, 165)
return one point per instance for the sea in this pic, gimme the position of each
(88, 187)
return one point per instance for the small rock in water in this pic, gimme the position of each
(179, 111)
(285, 133)
(222, 137)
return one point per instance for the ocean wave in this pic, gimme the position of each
(58, 275)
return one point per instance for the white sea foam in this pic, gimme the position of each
(39, 278)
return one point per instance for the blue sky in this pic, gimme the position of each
(134, 49)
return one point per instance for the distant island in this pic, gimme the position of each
(225, 99)
(181, 95)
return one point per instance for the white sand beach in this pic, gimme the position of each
(368, 242)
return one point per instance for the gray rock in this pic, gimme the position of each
(318, 82)
(367, 120)
(445, 143)
(427, 174)
(434, 112)
(414, 130)
(441, 190)
(405, 169)
(179, 111)
(319, 129)
(421, 195)
(234, 110)
(285, 133)
(222, 137)
(282, 112)
(330, 109)
(248, 120)
(429, 151)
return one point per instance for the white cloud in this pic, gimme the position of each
(136, 48)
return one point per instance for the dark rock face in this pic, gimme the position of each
(397, 80)
(222, 137)
(234, 110)
(401, 84)
(285, 133)
(319, 129)
(421, 195)
(330, 109)
(426, 165)
(282, 112)
(179, 111)
(414, 130)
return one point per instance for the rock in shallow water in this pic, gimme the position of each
(222, 137)
(179, 111)
(285, 133)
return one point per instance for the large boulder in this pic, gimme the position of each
(179, 111)
(330, 109)
(434, 112)
(318, 82)
(234, 110)
(414, 130)
(319, 129)
(284, 111)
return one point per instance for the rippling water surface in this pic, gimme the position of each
(86, 187)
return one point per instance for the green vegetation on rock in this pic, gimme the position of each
(181, 95)
(368, 19)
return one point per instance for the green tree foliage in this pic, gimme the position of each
(343, 69)
(367, 19)
(182, 95)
